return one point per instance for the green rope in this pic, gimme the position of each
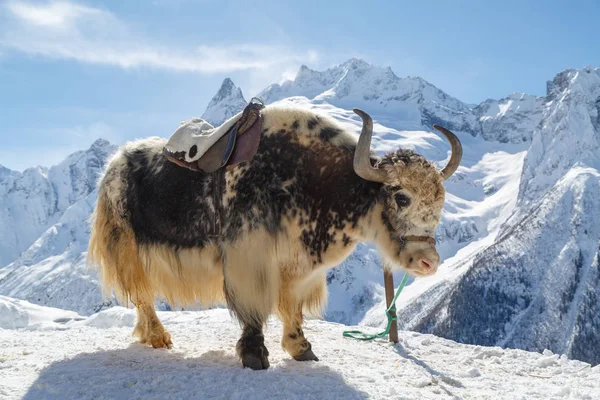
(358, 335)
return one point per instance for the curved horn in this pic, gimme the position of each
(362, 154)
(456, 152)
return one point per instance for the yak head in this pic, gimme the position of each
(411, 200)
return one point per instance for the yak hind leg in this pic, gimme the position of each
(247, 305)
(251, 348)
(294, 341)
(251, 287)
(149, 328)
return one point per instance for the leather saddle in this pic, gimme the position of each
(199, 146)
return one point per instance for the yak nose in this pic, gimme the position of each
(428, 265)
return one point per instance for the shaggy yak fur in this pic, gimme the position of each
(258, 236)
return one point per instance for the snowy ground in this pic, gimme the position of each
(54, 354)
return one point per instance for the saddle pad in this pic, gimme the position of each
(233, 148)
(199, 146)
(193, 138)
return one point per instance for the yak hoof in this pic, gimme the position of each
(253, 352)
(308, 355)
(162, 342)
(255, 362)
(159, 341)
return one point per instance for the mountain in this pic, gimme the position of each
(537, 285)
(410, 102)
(517, 237)
(512, 119)
(32, 201)
(228, 101)
(95, 357)
(55, 205)
(53, 270)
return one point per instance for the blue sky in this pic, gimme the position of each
(73, 71)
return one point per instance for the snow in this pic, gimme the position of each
(86, 360)
(20, 314)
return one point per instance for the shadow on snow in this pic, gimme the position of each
(139, 372)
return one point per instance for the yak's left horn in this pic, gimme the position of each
(362, 154)
(457, 152)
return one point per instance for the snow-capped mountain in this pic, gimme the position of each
(411, 103)
(228, 101)
(512, 119)
(538, 284)
(55, 205)
(32, 201)
(407, 103)
(517, 232)
(53, 270)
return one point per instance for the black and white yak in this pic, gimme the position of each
(260, 236)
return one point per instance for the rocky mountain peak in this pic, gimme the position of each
(568, 134)
(227, 102)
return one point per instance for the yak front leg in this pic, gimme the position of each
(293, 341)
(148, 327)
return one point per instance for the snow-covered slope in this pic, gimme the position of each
(512, 119)
(32, 201)
(96, 358)
(53, 270)
(228, 101)
(20, 314)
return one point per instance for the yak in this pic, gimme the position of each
(298, 207)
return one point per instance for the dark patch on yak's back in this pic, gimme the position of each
(312, 123)
(155, 213)
(329, 133)
(296, 124)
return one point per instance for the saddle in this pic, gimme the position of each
(199, 146)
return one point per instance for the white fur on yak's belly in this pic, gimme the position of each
(97, 358)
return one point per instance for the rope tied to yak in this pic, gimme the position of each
(359, 335)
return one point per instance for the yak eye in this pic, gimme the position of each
(402, 200)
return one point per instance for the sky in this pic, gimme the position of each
(75, 71)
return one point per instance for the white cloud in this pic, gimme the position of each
(65, 30)
(54, 15)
